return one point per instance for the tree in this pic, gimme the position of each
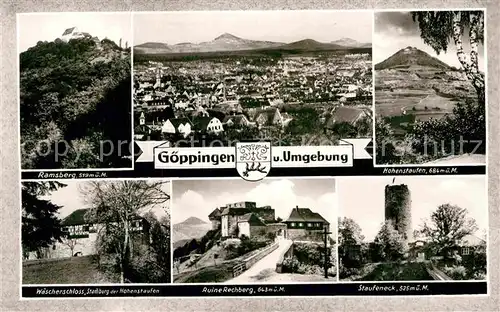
(71, 243)
(40, 224)
(389, 243)
(384, 142)
(447, 226)
(437, 28)
(350, 238)
(116, 204)
(349, 232)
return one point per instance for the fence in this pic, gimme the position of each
(239, 268)
(437, 274)
(264, 252)
(247, 263)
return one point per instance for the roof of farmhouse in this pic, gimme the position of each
(347, 114)
(305, 215)
(80, 217)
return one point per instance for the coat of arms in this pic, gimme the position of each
(253, 160)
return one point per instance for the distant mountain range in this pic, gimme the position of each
(351, 43)
(412, 56)
(229, 42)
(188, 229)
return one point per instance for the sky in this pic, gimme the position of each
(198, 198)
(50, 26)
(71, 199)
(279, 26)
(396, 30)
(362, 199)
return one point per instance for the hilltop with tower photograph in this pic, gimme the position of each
(75, 94)
(444, 244)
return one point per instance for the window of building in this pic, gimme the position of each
(465, 251)
(309, 224)
(292, 224)
(301, 224)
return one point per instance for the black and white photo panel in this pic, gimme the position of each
(413, 229)
(430, 98)
(83, 232)
(293, 78)
(270, 232)
(75, 90)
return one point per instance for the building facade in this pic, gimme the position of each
(304, 224)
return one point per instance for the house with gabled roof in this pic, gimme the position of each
(304, 224)
(233, 213)
(250, 225)
(237, 120)
(208, 125)
(73, 33)
(346, 114)
(268, 117)
(181, 126)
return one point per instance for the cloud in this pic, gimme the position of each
(188, 203)
(114, 26)
(454, 185)
(427, 194)
(400, 23)
(397, 30)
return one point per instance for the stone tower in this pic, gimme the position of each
(398, 209)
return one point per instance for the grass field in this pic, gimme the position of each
(408, 271)
(75, 270)
(211, 274)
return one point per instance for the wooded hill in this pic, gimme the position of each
(73, 96)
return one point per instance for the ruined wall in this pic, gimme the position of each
(265, 213)
(216, 223)
(398, 209)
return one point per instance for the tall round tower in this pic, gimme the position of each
(398, 209)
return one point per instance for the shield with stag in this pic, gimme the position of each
(253, 160)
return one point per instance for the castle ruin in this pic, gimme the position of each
(398, 209)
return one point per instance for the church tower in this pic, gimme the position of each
(158, 77)
(142, 119)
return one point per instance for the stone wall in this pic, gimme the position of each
(265, 213)
(305, 235)
(286, 254)
(264, 252)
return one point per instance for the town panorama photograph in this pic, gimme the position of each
(288, 77)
